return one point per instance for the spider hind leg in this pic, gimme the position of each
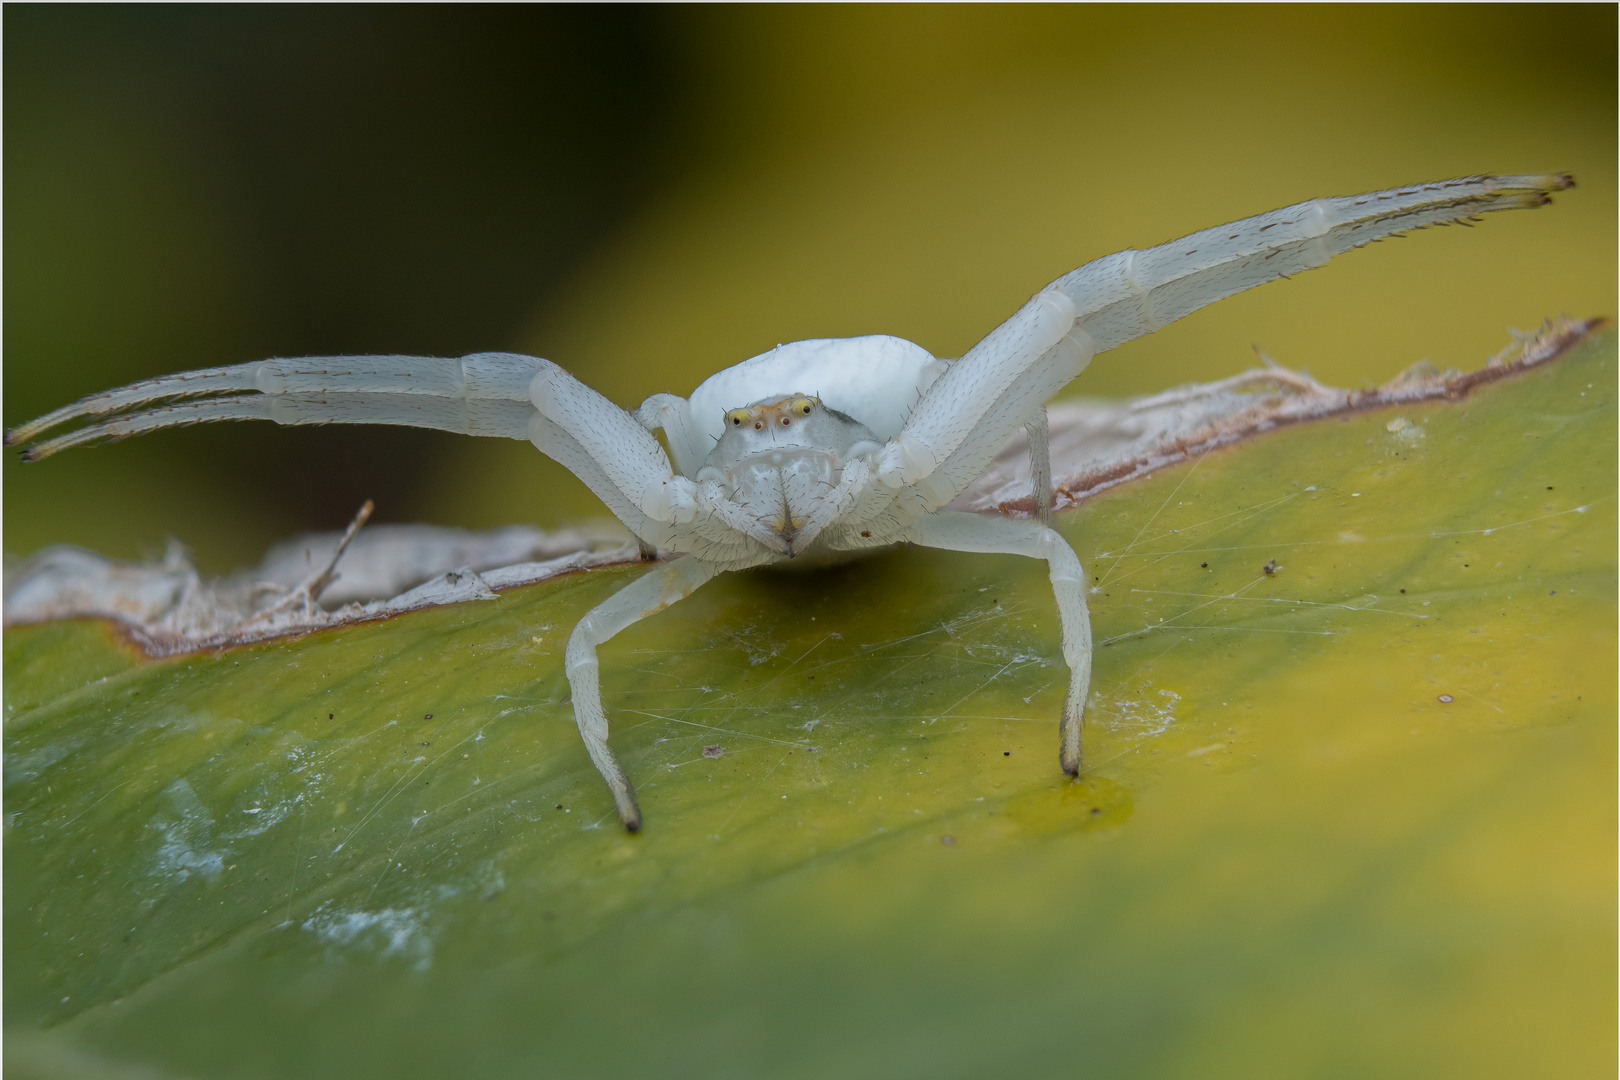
(647, 595)
(992, 535)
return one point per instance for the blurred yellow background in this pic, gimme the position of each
(705, 183)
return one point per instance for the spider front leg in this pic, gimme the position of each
(647, 595)
(970, 532)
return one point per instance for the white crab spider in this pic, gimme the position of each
(759, 470)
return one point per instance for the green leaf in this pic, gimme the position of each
(1353, 817)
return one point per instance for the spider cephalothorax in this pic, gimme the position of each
(780, 460)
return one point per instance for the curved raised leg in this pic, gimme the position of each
(360, 389)
(647, 595)
(970, 532)
(494, 418)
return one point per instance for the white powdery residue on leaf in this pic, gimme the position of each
(1141, 718)
(384, 934)
(186, 841)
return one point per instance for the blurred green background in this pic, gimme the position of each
(648, 195)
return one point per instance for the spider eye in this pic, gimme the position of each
(737, 416)
(804, 406)
(786, 421)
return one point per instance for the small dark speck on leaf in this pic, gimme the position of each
(1465, 565)
(1204, 565)
(329, 716)
(1403, 592)
(559, 806)
(1549, 487)
(429, 716)
(948, 841)
(1096, 809)
(1445, 699)
(1006, 753)
(1270, 567)
(427, 744)
(713, 751)
(1553, 593)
